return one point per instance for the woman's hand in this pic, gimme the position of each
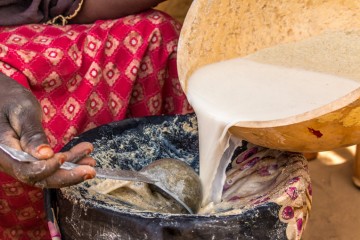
(21, 128)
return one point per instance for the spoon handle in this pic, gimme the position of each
(21, 156)
(116, 174)
(119, 174)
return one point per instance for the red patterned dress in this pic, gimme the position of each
(85, 76)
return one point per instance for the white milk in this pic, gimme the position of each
(230, 92)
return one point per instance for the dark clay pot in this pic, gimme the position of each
(168, 137)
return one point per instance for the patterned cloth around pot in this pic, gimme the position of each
(257, 175)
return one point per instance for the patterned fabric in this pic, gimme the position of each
(275, 176)
(258, 175)
(85, 76)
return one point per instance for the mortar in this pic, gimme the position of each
(272, 213)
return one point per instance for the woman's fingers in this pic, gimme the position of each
(87, 161)
(78, 152)
(30, 172)
(65, 178)
(33, 172)
(47, 173)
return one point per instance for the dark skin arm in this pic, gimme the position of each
(21, 128)
(20, 116)
(93, 10)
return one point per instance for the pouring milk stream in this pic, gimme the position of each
(227, 93)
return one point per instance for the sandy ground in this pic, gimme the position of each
(335, 211)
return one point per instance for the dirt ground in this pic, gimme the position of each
(335, 211)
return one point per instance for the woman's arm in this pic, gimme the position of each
(93, 10)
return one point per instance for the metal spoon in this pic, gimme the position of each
(174, 178)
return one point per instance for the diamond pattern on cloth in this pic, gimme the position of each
(85, 76)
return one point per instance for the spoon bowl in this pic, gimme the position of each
(172, 178)
(179, 178)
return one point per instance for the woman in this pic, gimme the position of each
(72, 74)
